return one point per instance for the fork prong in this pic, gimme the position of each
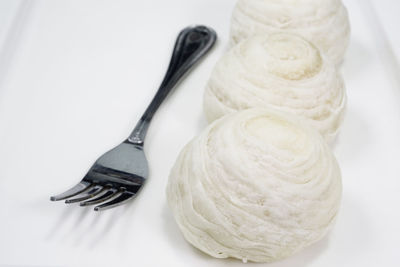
(94, 191)
(123, 198)
(81, 187)
(106, 196)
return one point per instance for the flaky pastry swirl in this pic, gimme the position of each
(323, 22)
(256, 185)
(282, 71)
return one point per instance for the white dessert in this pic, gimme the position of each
(282, 71)
(323, 22)
(256, 185)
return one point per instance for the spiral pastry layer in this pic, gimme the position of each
(323, 22)
(282, 71)
(256, 185)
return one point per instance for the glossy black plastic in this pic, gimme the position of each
(191, 44)
(119, 174)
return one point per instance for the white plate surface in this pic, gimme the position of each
(76, 75)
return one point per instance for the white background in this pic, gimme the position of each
(76, 75)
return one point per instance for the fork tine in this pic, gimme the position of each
(97, 189)
(106, 196)
(124, 197)
(77, 189)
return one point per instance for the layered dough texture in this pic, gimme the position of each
(323, 22)
(256, 185)
(282, 71)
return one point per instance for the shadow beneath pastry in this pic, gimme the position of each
(306, 256)
(183, 247)
(351, 232)
(301, 259)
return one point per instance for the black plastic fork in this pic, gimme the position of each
(119, 174)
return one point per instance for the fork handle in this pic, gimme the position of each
(191, 45)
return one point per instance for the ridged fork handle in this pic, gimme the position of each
(191, 45)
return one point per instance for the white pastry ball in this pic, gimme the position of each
(256, 185)
(282, 71)
(324, 22)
